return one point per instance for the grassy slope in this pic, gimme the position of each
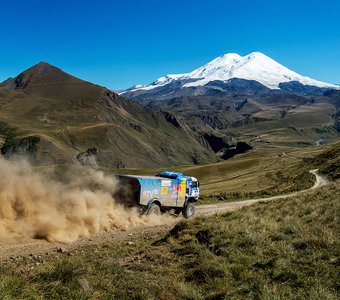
(260, 172)
(70, 116)
(287, 249)
(268, 251)
(305, 124)
(328, 162)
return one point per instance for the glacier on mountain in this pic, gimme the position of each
(254, 66)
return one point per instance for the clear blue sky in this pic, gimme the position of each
(121, 43)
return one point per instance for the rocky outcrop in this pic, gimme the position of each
(216, 143)
(88, 157)
(241, 147)
(26, 146)
(171, 118)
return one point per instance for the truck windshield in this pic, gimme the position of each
(195, 184)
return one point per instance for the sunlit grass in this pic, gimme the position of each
(287, 249)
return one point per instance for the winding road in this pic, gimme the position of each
(210, 209)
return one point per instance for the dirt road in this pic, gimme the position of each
(24, 246)
(319, 180)
(206, 210)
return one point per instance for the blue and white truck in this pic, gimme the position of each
(167, 191)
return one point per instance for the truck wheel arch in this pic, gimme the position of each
(153, 208)
(154, 201)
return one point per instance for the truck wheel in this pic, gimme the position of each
(153, 209)
(189, 210)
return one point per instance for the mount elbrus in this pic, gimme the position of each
(247, 96)
(219, 72)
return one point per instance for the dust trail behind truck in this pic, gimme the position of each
(167, 191)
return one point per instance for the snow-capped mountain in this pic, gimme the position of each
(254, 66)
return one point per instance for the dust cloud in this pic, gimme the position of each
(34, 203)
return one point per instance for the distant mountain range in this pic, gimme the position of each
(203, 116)
(238, 97)
(220, 74)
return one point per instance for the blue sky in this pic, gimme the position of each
(121, 43)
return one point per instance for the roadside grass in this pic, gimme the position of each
(286, 249)
(281, 184)
(328, 162)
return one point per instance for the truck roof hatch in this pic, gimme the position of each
(170, 175)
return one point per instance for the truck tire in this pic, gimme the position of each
(189, 210)
(153, 209)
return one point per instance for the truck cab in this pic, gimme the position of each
(193, 189)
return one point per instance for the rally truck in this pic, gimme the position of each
(165, 192)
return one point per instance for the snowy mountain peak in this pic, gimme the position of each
(254, 66)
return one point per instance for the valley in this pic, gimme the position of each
(170, 150)
(55, 118)
(254, 146)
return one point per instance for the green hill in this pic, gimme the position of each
(54, 117)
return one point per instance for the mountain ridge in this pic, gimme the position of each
(54, 117)
(38, 74)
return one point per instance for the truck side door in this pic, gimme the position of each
(182, 186)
